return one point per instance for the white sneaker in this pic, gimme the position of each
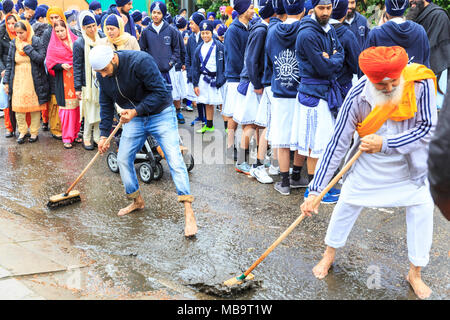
(274, 171)
(260, 174)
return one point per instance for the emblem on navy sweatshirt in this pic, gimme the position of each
(286, 68)
(167, 40)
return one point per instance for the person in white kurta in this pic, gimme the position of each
(391, 171)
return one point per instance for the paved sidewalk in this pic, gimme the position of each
(37, 264)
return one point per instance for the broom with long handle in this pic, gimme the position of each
(72, 196)
(247, 275)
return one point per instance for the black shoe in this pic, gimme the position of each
(31, 140)
(27, 135)
(57, 137)
(9, 135)
(91, 147)
(45, 126)
(21, 140)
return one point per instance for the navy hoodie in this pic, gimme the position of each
(312, 41)
(191, 46)
(137, 84)
(409, 35)
(351, 51)
(235, 42)
(280, 51)
(182, 59)
(360, 28)
(267, 77)
(254, 55)
(164, 47)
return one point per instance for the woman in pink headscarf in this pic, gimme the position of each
(59, 62)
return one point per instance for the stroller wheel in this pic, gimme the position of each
(158, 172)
(189, 161)
(112, 162)
(145, 172)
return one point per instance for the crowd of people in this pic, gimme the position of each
(298, 77)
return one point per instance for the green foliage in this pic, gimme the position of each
(172, 7)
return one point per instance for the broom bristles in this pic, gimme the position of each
(64, 199)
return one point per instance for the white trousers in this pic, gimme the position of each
(419, 226)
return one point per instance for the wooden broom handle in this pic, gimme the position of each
(94, 158)
(302, 216)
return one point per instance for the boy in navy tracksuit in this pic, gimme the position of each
(348, 42)
(280, 51)
(321, 57)
(398, 32)
(235, 43)
(357, 23)
(208, 75)
(162, 42)
(192, 43)
(252, 115)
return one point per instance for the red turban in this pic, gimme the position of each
(378, 63)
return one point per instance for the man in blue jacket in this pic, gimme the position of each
(397, 32)
(357, 23)
(132, 80)
(162, 42)
(235, 43)
(320, 57)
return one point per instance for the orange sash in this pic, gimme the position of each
(407, 106)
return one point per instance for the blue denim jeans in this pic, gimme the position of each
(164, 127)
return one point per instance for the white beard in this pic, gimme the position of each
(381, 98)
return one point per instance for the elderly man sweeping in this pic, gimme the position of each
(132, 80)
(391, 114)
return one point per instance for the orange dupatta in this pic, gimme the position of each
(21, 44)
(407, 106)
(11, 34)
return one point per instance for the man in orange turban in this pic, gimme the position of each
(393, 111)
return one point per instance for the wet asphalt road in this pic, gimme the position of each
(238, 219)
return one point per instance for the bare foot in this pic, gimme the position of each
(320, 271)
(415, 280)
(190, 228)
(137, 204)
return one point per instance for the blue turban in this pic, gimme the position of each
(121, 3)
(168, 18)
(197, 17)
(241, 6)
(265, 9)
(294, 7)
(339, 9)
(278, 7)
(222, 29)
(136, 15)
(8, 6)
(112, 21)
(180, 22)
(94, 5)
(396, 8)
(211, 14)
(31, 4)
(158, 5)
(146, 21)
(321, 2)
(87, 20)
(216, 23)
(1, 6)
(40, 12)
(308, 6)
(206, 25)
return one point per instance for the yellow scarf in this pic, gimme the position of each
(123, 36)
(407, 106)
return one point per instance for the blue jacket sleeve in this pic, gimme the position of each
(106, 113)
(196, 67)
(233, 61)
(175, 48)
(352, 52)
(148, 74)
(143, 41)
(78, 64)
(323, 66)
(188, 61)
(255, 45)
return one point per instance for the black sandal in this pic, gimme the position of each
(68, 145)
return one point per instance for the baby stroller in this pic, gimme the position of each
(149, 159)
